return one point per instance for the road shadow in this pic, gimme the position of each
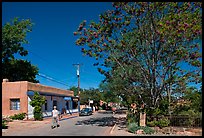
(104, 121)
(105, 112)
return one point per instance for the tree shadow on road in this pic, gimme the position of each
(104, 121)
(105, 112)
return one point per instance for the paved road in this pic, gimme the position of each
(98, 124)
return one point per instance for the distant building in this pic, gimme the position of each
(17, 95)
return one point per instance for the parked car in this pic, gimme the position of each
(86, 111)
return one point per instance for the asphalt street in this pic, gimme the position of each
(98, 124)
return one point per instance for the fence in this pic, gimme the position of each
(180, 120)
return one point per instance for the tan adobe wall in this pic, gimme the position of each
(14, 90)
(19, 90)
(48, 89)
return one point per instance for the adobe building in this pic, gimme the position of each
(17, 95)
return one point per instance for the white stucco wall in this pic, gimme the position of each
(30, 108)
(61, 103)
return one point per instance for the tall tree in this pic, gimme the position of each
(13, 39)
(146, 43)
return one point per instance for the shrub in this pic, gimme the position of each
(4, 124)
(37, 103)
(148, 130)
(132, 117)
(164, 122)
(152, 123)
(19, 116)
(133, 127)
(38, 116)
(188, 118)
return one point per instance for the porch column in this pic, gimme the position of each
(78, 105)
(72, 102)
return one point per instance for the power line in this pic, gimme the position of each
(52, 79)
(45, 61)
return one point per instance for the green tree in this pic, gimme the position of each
(37, 103)
(145, 43)
(13, 40)
(193, 101)
(88, 94)
(75, 89)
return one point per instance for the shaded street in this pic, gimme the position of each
(98, 124)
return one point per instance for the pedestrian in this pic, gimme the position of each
(55, 118)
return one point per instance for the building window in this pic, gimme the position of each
(14, 104)
(45, 104)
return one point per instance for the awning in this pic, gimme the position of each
(31, 93)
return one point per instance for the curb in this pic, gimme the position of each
(112, 129)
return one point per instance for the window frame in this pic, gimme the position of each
(15, 103)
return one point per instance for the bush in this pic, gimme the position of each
(19, 116)
(133, 127)
(152, 123)
(132, 117)
(148, 130)
(164, 122)
(4, 124)
(188, 118)
(38, 116)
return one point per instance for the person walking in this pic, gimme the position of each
(55, 118)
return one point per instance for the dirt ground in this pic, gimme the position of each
(180, 131)
(21, 125)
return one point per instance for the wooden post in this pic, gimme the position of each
(142, 119)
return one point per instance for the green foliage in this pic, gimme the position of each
(96, 95)
(4, 124)
(188, 118)
(38, 116)
(19, 116)
(161, 122)
(152, 123)
(13, 38)
(133, 127)
(191, 104)
(132, 117)
(19, 70)
(75, 89)
(37, 103)
(195, 96)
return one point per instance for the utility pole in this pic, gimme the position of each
(78, 76)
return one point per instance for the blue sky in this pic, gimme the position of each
(52, 43)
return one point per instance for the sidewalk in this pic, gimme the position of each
(119, 129)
